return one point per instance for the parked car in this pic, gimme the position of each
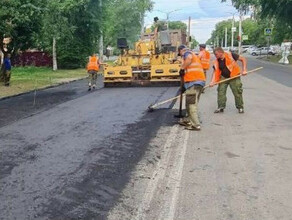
(244, 48)
(262, 51)
(251, 48)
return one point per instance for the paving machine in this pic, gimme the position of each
(151, 61)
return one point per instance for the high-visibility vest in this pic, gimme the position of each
(194, 72)
(231, 64)
(93, 63)
(205, 59)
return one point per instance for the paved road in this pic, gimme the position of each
(100, 155)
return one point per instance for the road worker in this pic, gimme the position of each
(226, 66)
(6, 69)
(204, 56)
(194, 81)
(160, 27)
(92, 69)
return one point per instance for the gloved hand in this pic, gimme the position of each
(182, 72)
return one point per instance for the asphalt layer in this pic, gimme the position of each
(276, 72)
(15, 108)
(70, 156)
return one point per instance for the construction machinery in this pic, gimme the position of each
(153, 59)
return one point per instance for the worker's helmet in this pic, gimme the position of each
(202, 45)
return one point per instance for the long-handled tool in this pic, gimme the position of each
(180, 115)
(152, 107)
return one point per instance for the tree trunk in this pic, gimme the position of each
(55, 65)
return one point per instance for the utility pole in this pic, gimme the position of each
(222, 42)
(226, 37)
(232, 33)
(142, 23)
(240, 33)
(101, 35)
(189, 32)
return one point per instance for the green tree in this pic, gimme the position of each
(276, 14)
(19, 21)
(177, 25)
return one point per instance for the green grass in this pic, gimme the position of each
(276, 58)
(25, 79)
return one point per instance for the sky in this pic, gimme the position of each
(204, 14)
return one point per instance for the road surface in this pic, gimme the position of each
(101, 155)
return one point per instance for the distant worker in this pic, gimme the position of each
(92, 69)
(204, 56)
(6, 69)
(159, 26)
(194, 81)
(226, 66)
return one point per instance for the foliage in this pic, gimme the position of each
(255, 31)
(177, 25)
(20, 21)
(278, 12)
(76, 24)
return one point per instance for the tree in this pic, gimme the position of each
(19, 21)
(276, 12)
(177, 25)
(56, 23)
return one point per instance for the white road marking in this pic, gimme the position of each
(178, 176)
(158, 174)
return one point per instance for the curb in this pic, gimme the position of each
(41, 89)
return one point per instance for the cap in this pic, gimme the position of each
(181, 47)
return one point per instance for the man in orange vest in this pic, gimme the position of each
(204, 56)
(92, 69)
(226, 66)
(194, 81)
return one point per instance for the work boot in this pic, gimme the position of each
(184, 122)
(89, 88)
(193, 128)
(219, 110)
(240, 110)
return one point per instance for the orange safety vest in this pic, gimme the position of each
(231, 64)
(205, 59)
(194, 72)
(93, 63)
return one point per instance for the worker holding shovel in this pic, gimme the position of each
(225, 67)
(194, 81)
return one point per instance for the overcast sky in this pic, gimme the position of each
(204, 13)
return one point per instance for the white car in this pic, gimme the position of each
(262, 51)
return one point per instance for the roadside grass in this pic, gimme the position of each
(25, 79)
(275, 58)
